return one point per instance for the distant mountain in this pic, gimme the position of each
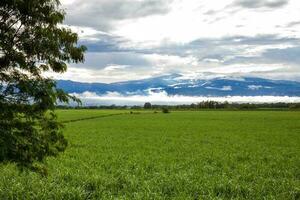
(176, 84)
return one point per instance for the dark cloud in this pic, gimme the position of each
(100, 14)
(261, 3)
(105, 43)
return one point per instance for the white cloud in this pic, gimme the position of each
(255, 87)
(224, 88)
(107, 75)
(115, 67)
(90, 98)
(188, 21)
(182, 21)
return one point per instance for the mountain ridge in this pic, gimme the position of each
(176, 84)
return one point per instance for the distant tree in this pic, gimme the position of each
(31, 43)
(165, 110)
(193, 106)
(226, 104)
(147, 105)
(294, 106)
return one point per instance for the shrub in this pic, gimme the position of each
(165, 110)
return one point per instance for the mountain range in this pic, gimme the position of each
(176, 84)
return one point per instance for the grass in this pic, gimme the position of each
(181, 155)
(84, 114)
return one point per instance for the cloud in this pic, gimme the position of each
(133, 39)
(286, 55)
(110, 67)
(218, 48)
(108, 74)
(100, 60)
(102, 14)
(292, 24)
(262, 50)
(262, 55)
(255, 87)
(151, 22)
(152, 62)
(115, 67)
(261, 3)
(162, 98)
(224, 88)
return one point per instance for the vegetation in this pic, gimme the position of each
(32, 42)
(182, 155)
(66, 115)
(201, 105)
(165, 110)
(147, 105)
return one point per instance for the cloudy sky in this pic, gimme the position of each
(135, 39)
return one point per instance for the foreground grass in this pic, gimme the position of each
(182, 155)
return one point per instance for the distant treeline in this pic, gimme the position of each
(199, 106)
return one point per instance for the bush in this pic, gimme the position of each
(165, 110)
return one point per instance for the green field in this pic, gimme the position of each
(85, 114)
(181, 155)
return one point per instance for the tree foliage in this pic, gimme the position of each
(165, 110)
(147, 105)
(32, 41)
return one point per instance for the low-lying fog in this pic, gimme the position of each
(162, 98)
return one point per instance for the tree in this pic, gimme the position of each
(165, 110)
(147, 105)
(32, 41)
